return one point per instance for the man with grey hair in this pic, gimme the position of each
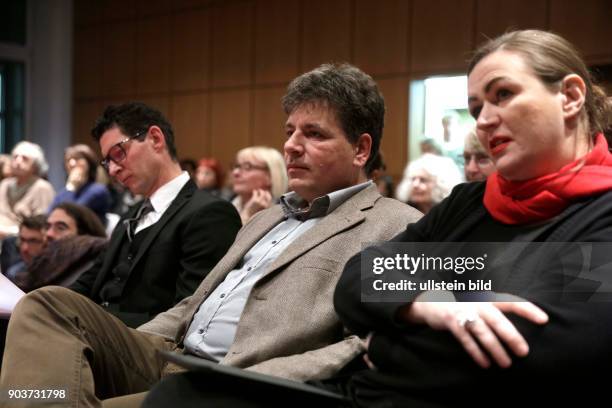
(267, 305)
(26, 193)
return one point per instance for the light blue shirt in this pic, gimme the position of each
(213, 328)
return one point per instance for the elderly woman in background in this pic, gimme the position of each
(477, 163)
(427, 181)
(81, 164)
(26, 193)
(542, 120)
(259, 179)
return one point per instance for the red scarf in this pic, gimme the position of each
(538, 199)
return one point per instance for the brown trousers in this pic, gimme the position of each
(58, 339)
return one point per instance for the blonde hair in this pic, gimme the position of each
(274, 162)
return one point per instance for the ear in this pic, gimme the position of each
(362, 149)
(573, 90)
(157, 139)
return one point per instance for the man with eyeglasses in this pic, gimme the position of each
(162, 249)
(267, 305)
(18, 252)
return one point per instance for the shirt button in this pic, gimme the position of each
(200, 331)
(274, 242)
(222, 295)
(249, 268)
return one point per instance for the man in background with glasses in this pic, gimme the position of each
(162, 249)
(18, 252)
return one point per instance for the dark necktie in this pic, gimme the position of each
(132, 223)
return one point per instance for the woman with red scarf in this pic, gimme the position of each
(543, 122)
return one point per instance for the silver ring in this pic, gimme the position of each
(464, 319)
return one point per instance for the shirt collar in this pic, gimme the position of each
(163, 196)
(295, 206)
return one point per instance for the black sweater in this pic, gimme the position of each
(419, 366)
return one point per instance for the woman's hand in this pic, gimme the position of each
(260, 200)
(481, 327)
(76, 178)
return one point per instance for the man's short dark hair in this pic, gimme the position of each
(34, 222)
(350, 92)
(132, 118)
(87, 222)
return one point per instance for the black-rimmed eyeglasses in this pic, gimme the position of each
(117, 152)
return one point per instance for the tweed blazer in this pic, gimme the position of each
(288, 327)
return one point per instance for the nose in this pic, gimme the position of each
(488, 118)
(113, 168)
(50, 235)
(293, 146)
(471, 165)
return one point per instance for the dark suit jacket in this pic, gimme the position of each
(178, 252)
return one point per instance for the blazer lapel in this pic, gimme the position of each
(181, 199)
(342, 218)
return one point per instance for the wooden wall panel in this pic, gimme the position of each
(191, 125)
(326, 32)
(495, 17)
(587, 24)
(190, 51)
(276, 40)
(84, 116)
(395, 136)
(95, 11)
(381, 36)
(118, 61)
(161, 103)
(153, 7)
(232, 44)
(269, 118)
(230, 123)
(87, 61)
(441, 35)
(153, 55)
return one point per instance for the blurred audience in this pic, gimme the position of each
(81, 164)
(376, 173)
(259, 179)
(26, 193)
(75, 237)
(209, 175)
(5, 166)
(18, 251)
(427, 181)
(189, 165)
(477, 163)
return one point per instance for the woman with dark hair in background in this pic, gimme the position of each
(81, 164)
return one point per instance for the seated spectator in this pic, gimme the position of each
(209, 175)
(18, 252)
(163, 247)
(376, 173)
(546, 126)
(25, 193)
(267, 305)
(5, 166)
(427, 181)
(81, 164)
(75, 238)
(259, 179)
(477, 163)
(188, 165)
